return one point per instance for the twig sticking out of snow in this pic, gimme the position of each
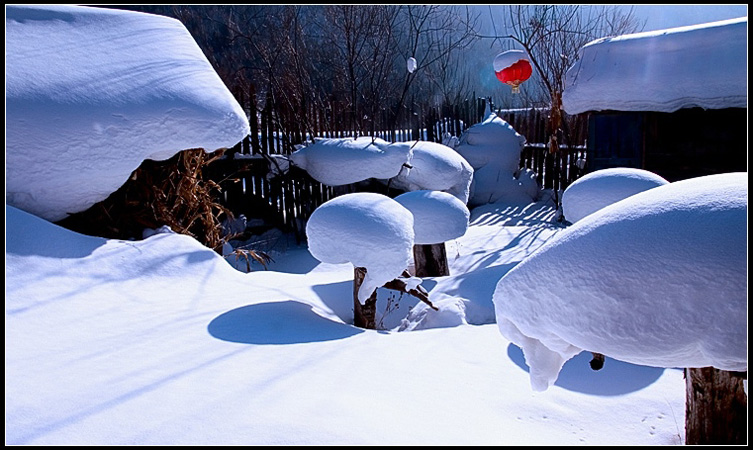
(402, 284)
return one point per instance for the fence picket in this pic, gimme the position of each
(277, 128)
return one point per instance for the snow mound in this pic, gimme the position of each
(91, 93)
(435, 167)
(437, 216)
(493, 148)
(366, 229)
(666, 70)
(492, 141)
(601, 188)
(658, 279)
(336, 162)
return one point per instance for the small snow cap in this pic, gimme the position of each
(366, 229)
(437, 216)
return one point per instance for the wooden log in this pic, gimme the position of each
(715, 407)
(430, 260)
(364, 316)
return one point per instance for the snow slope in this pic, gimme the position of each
(665, 70)
(90, 93)
(161, 342)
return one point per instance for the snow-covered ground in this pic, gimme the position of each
(161, 341)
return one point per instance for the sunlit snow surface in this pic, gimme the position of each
(161, 341)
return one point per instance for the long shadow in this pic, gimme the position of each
(615, 378)
(27, 235)
(277, 323)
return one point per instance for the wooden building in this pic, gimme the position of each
(670, 101)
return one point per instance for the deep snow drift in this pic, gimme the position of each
(659, 278)
(665, 70)
(90, 93)
(161, 342)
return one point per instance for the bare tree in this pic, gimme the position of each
(423, 30)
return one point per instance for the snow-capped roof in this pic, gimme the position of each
(435, 167)
(366, 229)
(341, 161)
(92, 92)
(666, 70)
(601, 188)
(437, 216)
(657, 279)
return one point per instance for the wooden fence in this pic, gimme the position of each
(256, 180)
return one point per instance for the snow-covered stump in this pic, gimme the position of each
(364, 315)
(656, 279)
(371, 231)
(437, 217)
(715, 407)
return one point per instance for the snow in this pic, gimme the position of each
(657, 279)
(91, 93)
(601, 188)
(434, 167)
(437, 216)
(366, 229)
(411, 64)
(336, 162)
(492, 147)
(508, 58)
(666, 70)
(161, 342)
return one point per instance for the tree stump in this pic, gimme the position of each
(430, 260)
(715, 407)
(364, 316)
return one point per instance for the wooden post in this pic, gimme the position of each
(715, 407)
(430, 260)
(364, 316)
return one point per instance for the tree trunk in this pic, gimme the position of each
(364, 316)
(430, 260)
(715, 407)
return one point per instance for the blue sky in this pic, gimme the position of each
(668, 16)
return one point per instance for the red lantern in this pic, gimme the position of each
(512, 67)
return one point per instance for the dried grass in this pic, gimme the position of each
(173, 192)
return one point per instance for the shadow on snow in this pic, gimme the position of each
(615, 378)
(286, 322)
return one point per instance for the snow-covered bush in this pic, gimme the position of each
(86, 106)
(601, 188)
(368, 230)
(492, 147)
(434, 167)
(336, 162)
(437, 216)
(657, 279)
